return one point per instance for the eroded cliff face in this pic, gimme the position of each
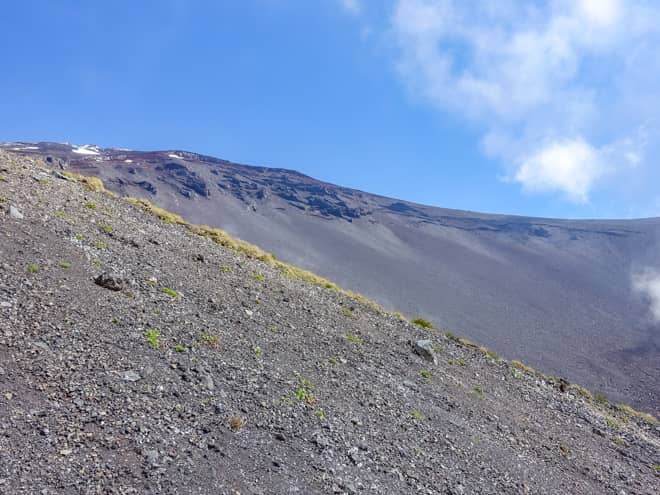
(556, 293)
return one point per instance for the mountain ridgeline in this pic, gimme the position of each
(556, 294)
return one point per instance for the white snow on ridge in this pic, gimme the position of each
(128, 160)
(171, 155)
(86, 149)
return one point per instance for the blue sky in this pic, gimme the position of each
(532, 108)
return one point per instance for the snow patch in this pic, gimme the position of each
(87, 149)
(128, 161)
(172, 155)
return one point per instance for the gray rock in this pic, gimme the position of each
(130, 376)
(424, 348)
(15, 213)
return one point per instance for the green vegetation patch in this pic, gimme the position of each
(170, 292)
(421, 322)
(152, 335)
(33, 268)
(354, 338)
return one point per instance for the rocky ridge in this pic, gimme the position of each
(140, 357)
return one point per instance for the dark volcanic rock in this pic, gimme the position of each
(109, 281)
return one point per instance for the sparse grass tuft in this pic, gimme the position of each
(522, 367)
(162, 214)
(460, 361)
(426, 375)
(33, 268)
(354, 338)
(491, 354)
(60, 214)
(226, 268)
(259, 277)
(152, 335)
(212, 341)
(637, 414)
(100, 245)
(90, 183)
(319, 414)
(613, 423)
(417, 415)
(422, 323)
(305, 393)
(78, 237)
(583, 392)
(258, 352)
(65, 264)
(91, 205)
(170, 292)
(106, 228)
(347, 312)
(180, 348)
(236, 423)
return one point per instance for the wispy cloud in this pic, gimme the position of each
(557, 87)
(647, 283)
(353, 7)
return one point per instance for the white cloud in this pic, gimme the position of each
(353, 7)
(549, 83)
(647, 283)
(570, 167)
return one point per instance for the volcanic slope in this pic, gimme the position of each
(137, 356)
(555, 293)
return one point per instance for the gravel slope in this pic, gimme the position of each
(210, 372)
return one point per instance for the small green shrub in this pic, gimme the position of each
(65, 264)
(319, 414)
(305, 393)
(91, 205)
(346, 312)
(258, 352)
(100, 245)
(226, 268)
(460, 361)
(332, 360)
(170, 292)
(259, 277)
(33, 268)
(78, 237)
(152, 335)
(180, 348)
(106, 228)
(601, 399)
(60, 214)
